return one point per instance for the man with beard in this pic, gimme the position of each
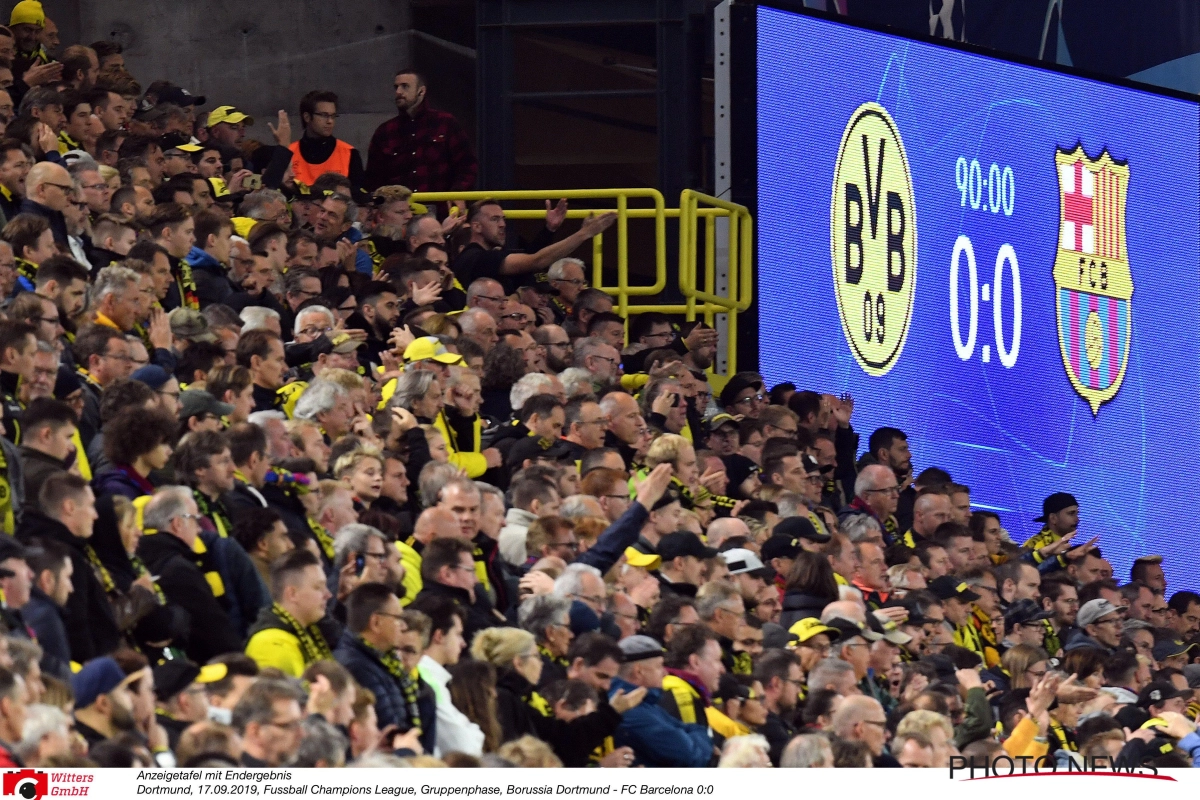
(421, 147)
(486, 255)
(557, 344)
(378, 312)
(103, 701)
(389, 222)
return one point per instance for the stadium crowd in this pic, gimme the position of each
(299, 472)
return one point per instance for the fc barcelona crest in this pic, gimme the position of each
(1093, 284)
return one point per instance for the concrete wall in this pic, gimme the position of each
(260, 56)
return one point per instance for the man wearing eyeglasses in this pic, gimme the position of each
(317, 151)
(744, 395)
(876, 494)
(48, 190)
(567, 277)
(375, 630)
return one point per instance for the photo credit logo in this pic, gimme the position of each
(975, 769)
(28, 784)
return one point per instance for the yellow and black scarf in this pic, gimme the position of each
(404, 678)
(312, 643)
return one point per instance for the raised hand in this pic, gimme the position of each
(283, 130)
(555, 215)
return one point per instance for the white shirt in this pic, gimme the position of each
(512, 536)
(455, 732)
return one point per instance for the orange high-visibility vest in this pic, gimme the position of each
(308, 173)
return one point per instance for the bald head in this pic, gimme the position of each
(929, 511)
(848, 720)
(846, 609)
(435, 523)
(45, 184)
(487, 294)
(725, 528)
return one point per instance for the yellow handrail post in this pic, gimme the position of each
(710, 263)
(622, 255)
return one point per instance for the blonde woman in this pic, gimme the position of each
(524, 712)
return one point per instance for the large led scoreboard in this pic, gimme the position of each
(999, 258)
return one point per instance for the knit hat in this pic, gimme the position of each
(28, 12)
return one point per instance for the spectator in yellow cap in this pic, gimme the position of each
(32, 65)
(227, 125)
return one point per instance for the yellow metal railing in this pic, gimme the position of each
(699, 291)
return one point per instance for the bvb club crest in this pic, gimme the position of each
(1093, 285)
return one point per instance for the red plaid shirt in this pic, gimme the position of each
(426, 153)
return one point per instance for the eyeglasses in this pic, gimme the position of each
(393, 616)
(580, 282)
(95, 186)
(572, 546)
(196, 517)
(59, 185)
(557, 344)
(606, 358)
(762, 398)
(168, 394)
(885, 490)
(116, 357)
(518, 315)
(882, 724)
(584, 598)
(489, 297)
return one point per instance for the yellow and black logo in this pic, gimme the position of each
(873, 239)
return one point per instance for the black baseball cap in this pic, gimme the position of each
(780, 547)
(848, 628)
(948, 586)
(1056, 503)
(1156, 692)
(683, 543)
(1023, 612)
(799, 528)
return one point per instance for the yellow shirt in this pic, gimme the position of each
(277, 648)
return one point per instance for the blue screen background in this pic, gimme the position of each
(1014, 435)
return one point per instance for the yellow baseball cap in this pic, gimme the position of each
(636, 558)
(218, 187)
(428, 347)
(211, 673)
(228, 114)
(809, 627)
(28, 12)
